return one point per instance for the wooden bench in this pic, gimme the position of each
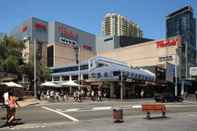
(154, 108)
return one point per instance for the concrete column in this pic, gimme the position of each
(70, 77)
(60, 79)
(81, 77)
(124, 90)
(111, 90)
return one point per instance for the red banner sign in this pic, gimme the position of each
(67, 33)
(87, 47)
(40, 25)
(24, 29)
(166, 43)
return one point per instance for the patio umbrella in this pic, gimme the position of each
(69, 83)
(50, 84)
(11, 84)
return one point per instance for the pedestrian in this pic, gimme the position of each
(99, 95)
(12, 104)
(48, 95)
(57, 96)
(105, 94)
(6, 97)
(92, 95)
(52, 95)
(196, 95)
(78, 96)
(66, 97)
(142, 93)
(74, 96)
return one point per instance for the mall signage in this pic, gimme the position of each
(167, 43)
(40, 26)
(67, 33)
(165, 58)
(24, 28)
(88, 47)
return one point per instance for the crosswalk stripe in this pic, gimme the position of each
(102, 108)
(137, 106)
(61, 113)
(72, 110)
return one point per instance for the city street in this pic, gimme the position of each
(98, 115)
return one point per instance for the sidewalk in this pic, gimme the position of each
(32, 101)
(28, 101)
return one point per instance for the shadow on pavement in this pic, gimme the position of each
(157, 117)
(15, 123)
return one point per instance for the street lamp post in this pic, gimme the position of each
(121, 88)
(35, 88)
(176, 72)
(77, 51)
(34, 50)
(79, 75)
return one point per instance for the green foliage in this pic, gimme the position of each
(10, 55)
(11, 60)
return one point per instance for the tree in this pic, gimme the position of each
(10, 55)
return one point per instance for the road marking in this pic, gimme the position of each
(72, 110)
(137, 106)
(57, 109)
(101, 108)
(60, 113)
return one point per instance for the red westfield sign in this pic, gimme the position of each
(24, 29)
(166, 43)
(40, 25)
(67, 33)
(87, 47)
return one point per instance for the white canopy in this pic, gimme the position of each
(50, 84)
(69, 83)
(12, 84)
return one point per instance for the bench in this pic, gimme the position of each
(154, 108)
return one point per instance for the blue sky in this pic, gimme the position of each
(88, 14)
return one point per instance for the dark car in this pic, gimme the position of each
(167, 98)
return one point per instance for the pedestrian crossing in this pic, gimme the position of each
(107, 108)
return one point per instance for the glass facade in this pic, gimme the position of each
(182, 22)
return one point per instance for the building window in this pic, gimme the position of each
(50, 57)
(108, 39)
(116, 73)
(105, 74)
(85, 77)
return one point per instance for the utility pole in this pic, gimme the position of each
(176, 71)
(121, 87)
(79, 74)
(35, 88)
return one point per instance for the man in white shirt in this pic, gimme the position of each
(5, 96)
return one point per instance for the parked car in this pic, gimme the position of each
(167, 98)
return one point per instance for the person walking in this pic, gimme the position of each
(92, 95)
(12, 104)
(6, 98)
(99, 95)
(142, 93)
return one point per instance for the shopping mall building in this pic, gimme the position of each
(57, 43)
(77, 55)
(161, 57)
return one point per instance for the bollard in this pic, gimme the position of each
(117, 115)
